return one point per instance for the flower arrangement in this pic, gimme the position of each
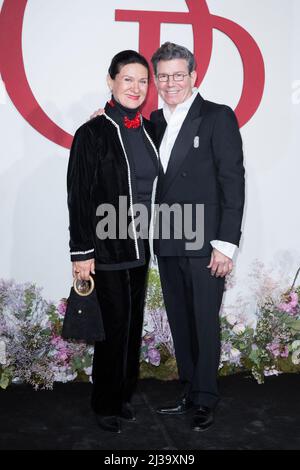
(276, 345)
(267, 343)
(31, 349)
(263, 338)
(157, 351)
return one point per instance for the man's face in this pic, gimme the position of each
(174, 92)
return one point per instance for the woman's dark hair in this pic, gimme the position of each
(125, 58)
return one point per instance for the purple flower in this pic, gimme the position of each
(161, 329)
(154, 356)
(149, 339)
(226, 347)
(62, 307)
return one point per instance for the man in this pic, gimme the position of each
(201, 163)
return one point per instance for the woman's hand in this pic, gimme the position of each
(82, 269)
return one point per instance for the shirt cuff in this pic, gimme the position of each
(228, 249)
(82, 255)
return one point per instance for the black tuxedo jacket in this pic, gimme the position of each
(205, 167)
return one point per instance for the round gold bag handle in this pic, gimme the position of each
(84, 294)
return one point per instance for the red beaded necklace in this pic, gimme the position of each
(132, 123)
(129, 123)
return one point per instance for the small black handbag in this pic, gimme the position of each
(83, 318)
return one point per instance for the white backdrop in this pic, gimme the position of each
(67, 47)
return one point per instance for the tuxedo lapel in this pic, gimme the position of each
(183, 143)
(161, 125)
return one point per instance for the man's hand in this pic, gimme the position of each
(99, 112)
(82, 269)
(220, 265)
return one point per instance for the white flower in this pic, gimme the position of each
(2, 352)
(235, 353)
(239, 328)
(295, 345)
(231, 319)
(88, 370)
(251, 321)
(296, 356)
(63, 374)
(224, 357)
(272, 371)
(65, 377)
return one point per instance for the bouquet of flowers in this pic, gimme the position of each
(157, 352)
(269, 342)
(263, 339)
(31, 349)
(276, 345)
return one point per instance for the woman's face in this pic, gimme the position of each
(130, 85)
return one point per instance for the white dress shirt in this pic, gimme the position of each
(174, 122)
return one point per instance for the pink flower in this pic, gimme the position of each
(294, 299)
(274, 348)
(290, 306)
(62, 352)
(284, 352)
(55, 340)
(284, 307)
(62, 355)
(278, 349)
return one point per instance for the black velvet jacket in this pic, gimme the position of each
(99, 172)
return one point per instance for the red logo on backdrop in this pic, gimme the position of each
(203, 23)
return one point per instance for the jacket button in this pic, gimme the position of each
(184, 174)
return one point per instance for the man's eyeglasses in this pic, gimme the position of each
(177, 77)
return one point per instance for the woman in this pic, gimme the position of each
(113, 164)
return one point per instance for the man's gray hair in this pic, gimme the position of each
(169, 51)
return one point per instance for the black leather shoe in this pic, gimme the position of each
(109, 423)
(178, 408)
(127, 412)
(203, 418)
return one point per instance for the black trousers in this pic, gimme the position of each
(121, 295)
(193, 298)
